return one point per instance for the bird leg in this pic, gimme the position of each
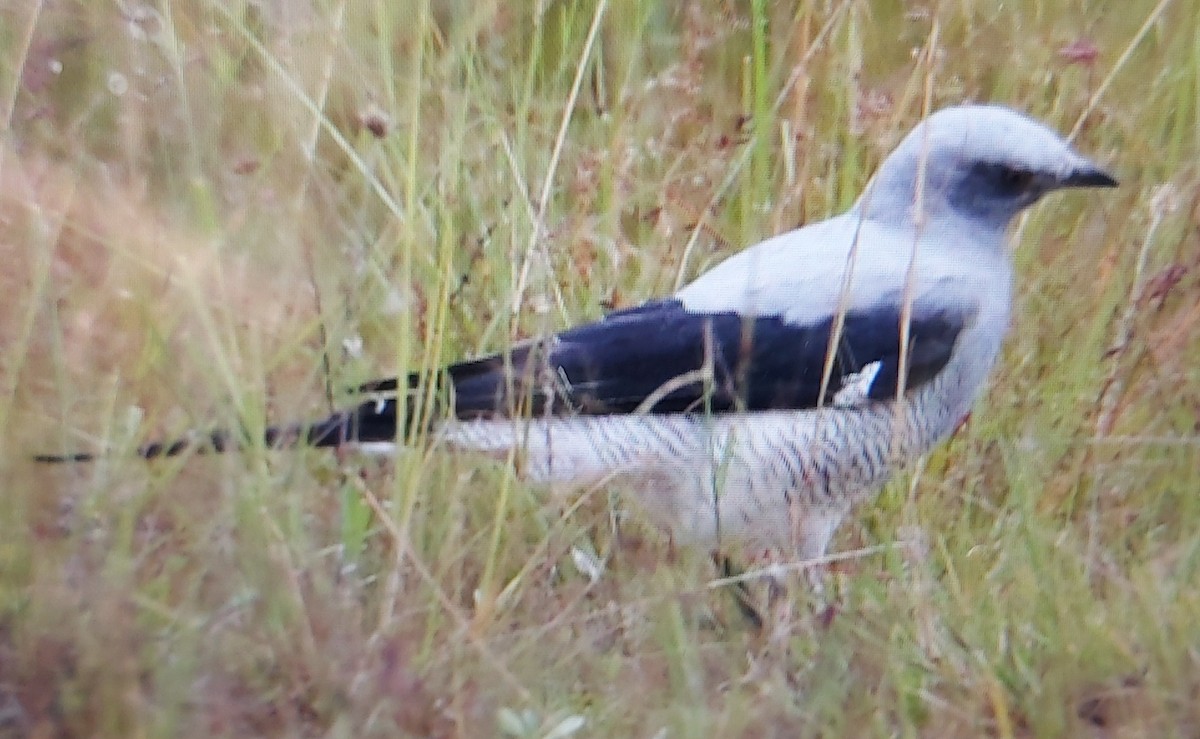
(742, 598)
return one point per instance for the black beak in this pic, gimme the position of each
(1088, 177)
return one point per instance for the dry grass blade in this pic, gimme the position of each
(201, 203)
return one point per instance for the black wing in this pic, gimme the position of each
(662, 358)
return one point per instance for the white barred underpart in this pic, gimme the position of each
(778, 478)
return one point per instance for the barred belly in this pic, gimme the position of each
(776, 478)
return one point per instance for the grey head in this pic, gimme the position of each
(981, 163)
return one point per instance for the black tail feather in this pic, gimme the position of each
(217, 441)
(63, 458)
(499, 385)
(369, 421)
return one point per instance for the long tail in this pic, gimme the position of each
(499, 385)
(370, 421)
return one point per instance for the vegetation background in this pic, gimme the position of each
(214, 213)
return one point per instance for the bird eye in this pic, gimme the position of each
(1015, 180)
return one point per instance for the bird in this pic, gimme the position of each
(777, 391)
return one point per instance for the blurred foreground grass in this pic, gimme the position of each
(216, 213)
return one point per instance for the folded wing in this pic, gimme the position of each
(663, 358)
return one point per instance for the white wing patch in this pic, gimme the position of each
(856, 390)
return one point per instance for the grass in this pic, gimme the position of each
(218, 213)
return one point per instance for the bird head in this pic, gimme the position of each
(980, 163)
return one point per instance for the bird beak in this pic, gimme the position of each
(1088, 175)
